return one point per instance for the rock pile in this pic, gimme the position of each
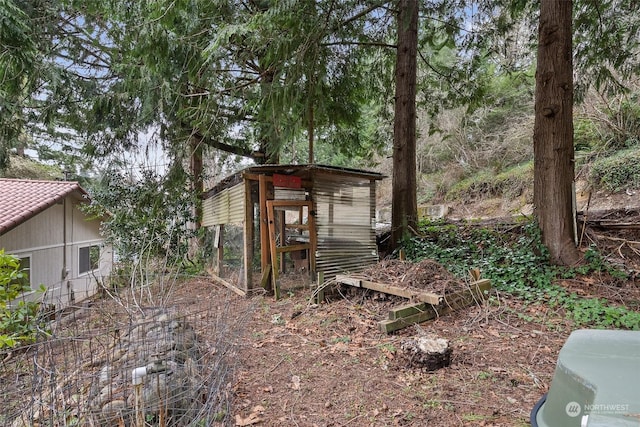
(151, 376)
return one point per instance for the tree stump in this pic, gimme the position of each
(427, 352)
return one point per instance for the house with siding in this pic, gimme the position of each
(58, 245)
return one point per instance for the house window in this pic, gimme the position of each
(25, 269)
(88, 258)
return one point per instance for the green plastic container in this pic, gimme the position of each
(596, 382)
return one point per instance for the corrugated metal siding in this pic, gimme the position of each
(226, 207)
(344, 221)
(289, 194)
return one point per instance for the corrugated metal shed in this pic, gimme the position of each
(345, 212)
(343, 201)
(227, 207)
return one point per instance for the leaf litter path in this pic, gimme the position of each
(329, 365)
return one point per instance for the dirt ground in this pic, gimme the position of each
(304, 364)
(328, 364)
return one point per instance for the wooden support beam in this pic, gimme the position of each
(266, 278)
(293, 248)
(288, 203)
(256, 177)
(427, 297)
(264, 226)
(348, 280)
(298, 226)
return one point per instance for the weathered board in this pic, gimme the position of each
(410, 314)
(223, 282)
(427, 297)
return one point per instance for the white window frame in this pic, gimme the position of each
(80, 264)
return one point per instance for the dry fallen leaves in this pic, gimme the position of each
(295, 382)
(253, 418)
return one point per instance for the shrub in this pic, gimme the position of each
(516, 262)
(510, 184)
(19, 322)
(617, 172)
(587, 135)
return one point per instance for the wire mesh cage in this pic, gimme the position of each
(118, 361)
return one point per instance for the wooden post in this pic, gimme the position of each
(248, 237)
(313, 239)
(274, 249)
(274, 222)
(264, 227)
(282, 230)
(320, 291)
(220, 255)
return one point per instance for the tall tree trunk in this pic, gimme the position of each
(197, 188)
(196, 174)
(404, 205)
(310, 126)
(267, 131)
(553, 132)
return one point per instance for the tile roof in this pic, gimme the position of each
(21, 199)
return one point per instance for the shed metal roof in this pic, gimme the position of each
(304, 171)
(22, 199)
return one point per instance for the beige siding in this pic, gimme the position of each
(52, 240)
(43, 230)
(83, 229)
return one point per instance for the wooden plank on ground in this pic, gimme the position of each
(348, 280)
(223, 282)
(427, 297)
(396, 324)
(407, 310)
(467, 297)
(410, 314)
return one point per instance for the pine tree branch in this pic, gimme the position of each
(349, 43)
(447, 78)
(228, 148)
(359, 15)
